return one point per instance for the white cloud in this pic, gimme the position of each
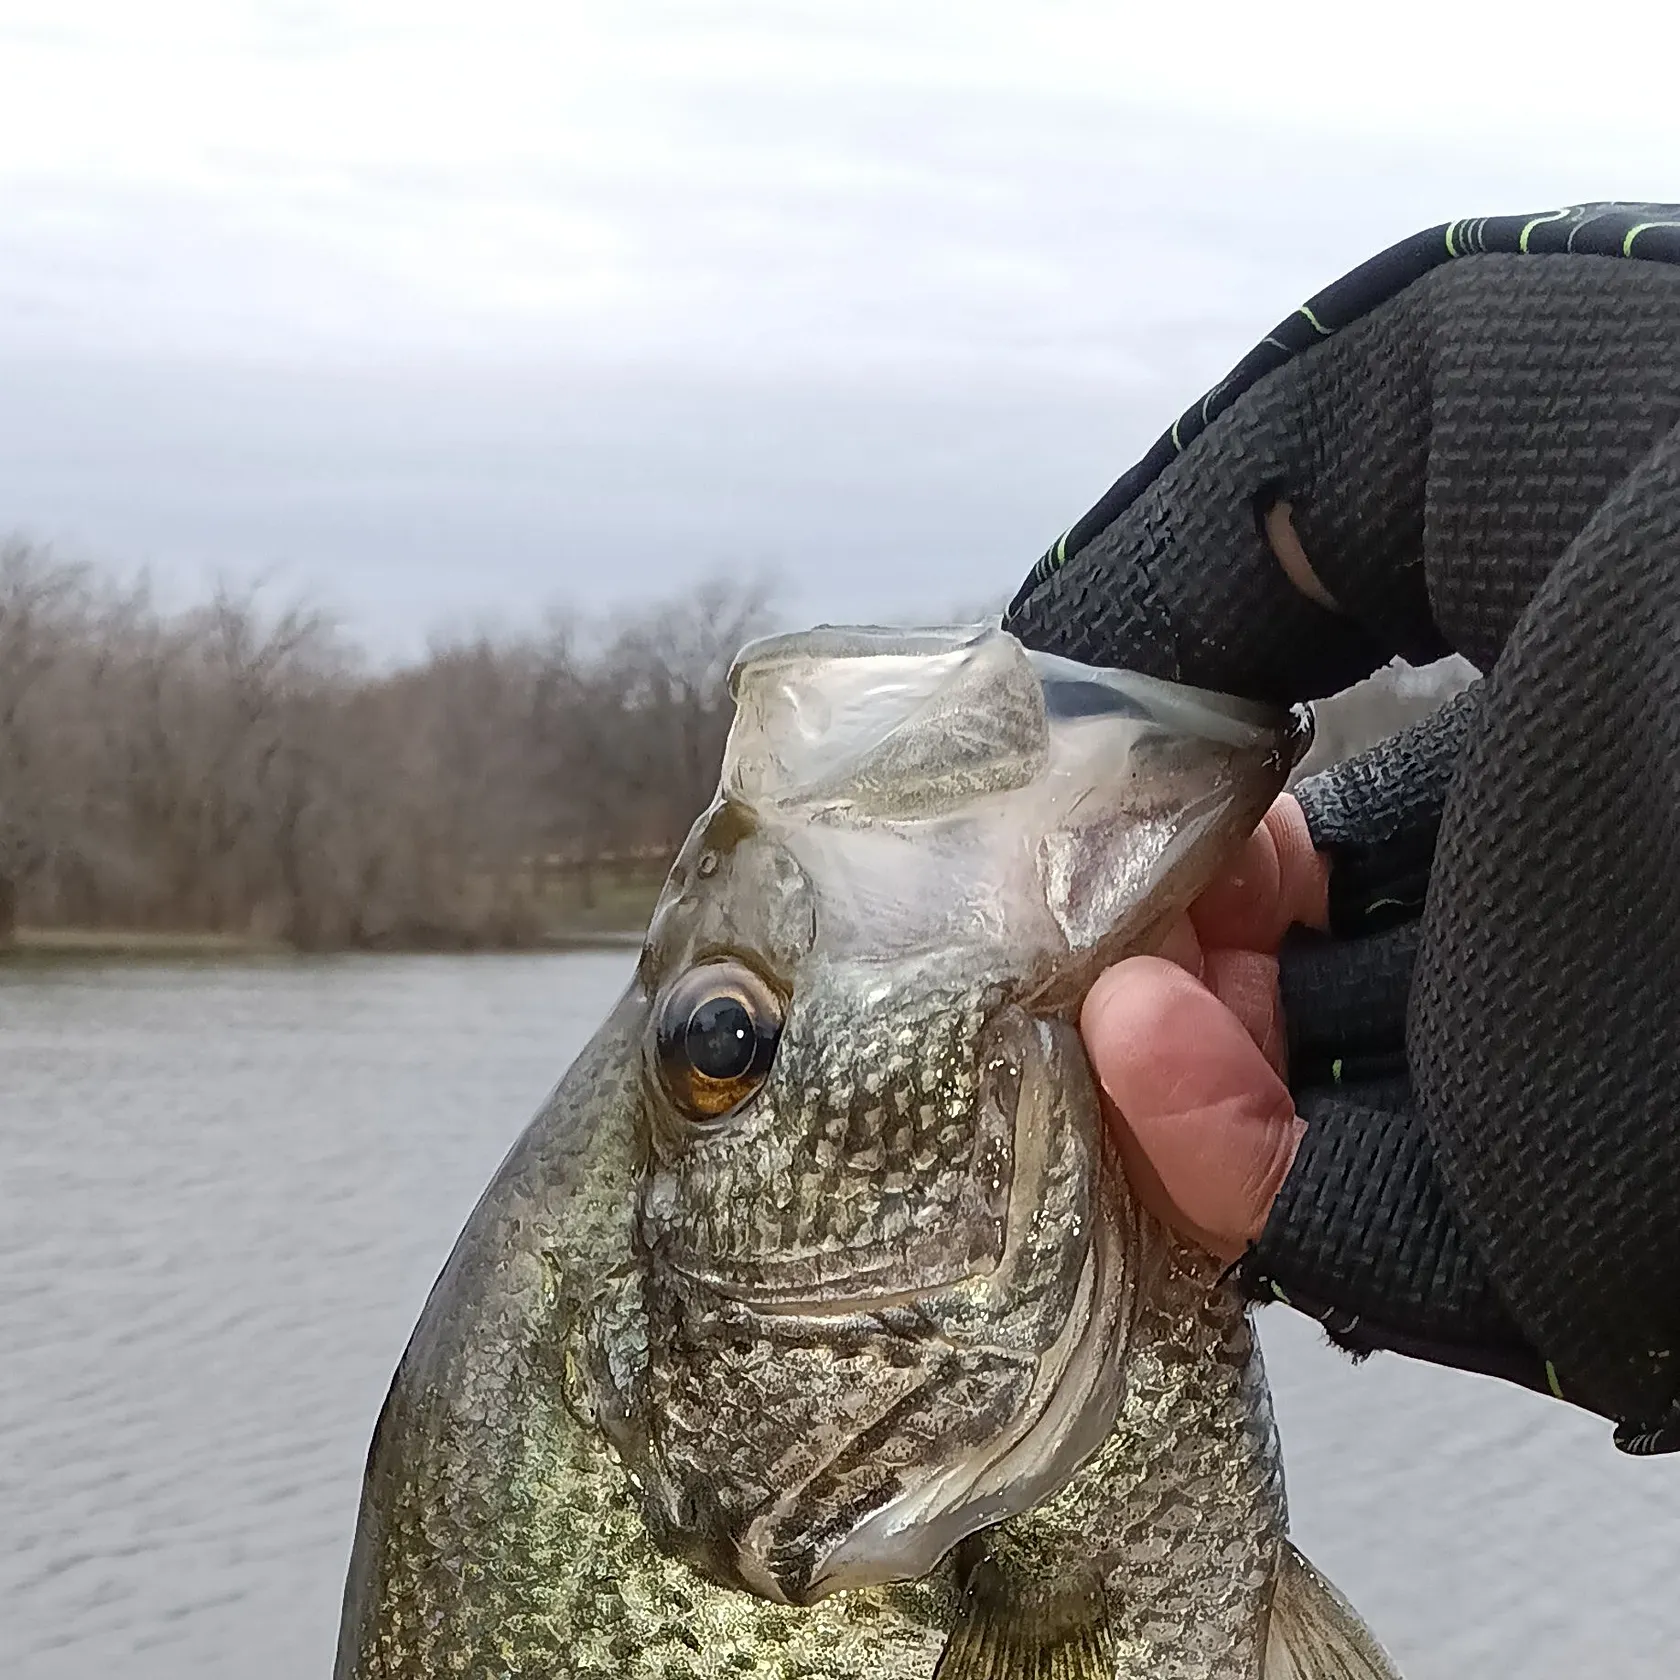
(694, 180)
(1059, 220)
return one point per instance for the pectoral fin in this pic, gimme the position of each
(1025, 1630)
(1315, 1634)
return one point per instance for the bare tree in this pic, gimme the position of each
(239, 770)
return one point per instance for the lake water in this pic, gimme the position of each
(225, 1190)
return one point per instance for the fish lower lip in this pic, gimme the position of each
(850, 1306)
(843, 1303)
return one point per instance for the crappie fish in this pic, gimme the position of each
(811, 1330)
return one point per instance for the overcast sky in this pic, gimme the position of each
(443, 313)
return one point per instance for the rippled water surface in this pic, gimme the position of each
(224, 1192)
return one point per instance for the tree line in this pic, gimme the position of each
(232, 769)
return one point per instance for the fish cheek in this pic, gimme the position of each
(742, 1411)
(773, 1439)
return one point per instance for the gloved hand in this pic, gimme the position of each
(1475, 441)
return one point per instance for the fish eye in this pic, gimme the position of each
(718, 1030)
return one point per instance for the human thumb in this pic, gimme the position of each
(1206, 1127)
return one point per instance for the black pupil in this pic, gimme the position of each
(721, 1042)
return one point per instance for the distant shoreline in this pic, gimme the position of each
(136, 944)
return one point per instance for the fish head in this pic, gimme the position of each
(882, 1268)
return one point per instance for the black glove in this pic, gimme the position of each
(1478, 433)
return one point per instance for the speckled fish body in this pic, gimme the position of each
(810, 1330)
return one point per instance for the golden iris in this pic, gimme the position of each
(718, 1030)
